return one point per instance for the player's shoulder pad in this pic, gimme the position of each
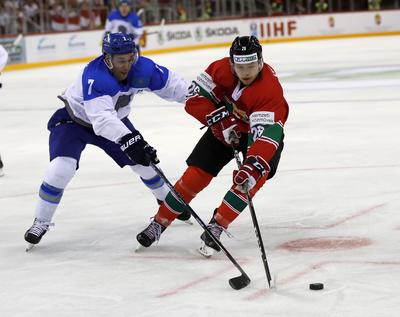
(269, 75)
(147, 74)
(215, 65)
(97, 80)
(114, 15)
(220, 70)
(135, 20)
(219, 67)
(261, 96)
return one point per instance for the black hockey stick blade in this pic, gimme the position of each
(239, 282)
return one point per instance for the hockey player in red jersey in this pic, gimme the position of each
(237, 96)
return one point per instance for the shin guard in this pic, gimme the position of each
(188, 186)
(234, 203)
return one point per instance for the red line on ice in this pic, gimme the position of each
(184, 287)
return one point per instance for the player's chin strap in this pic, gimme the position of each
(107, 61)
(233, 140)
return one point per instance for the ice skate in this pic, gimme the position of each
(35, 233)
(185, 217)
(208, 246)
(149, 235)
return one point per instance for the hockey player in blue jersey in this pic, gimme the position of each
(124, 20)
(96, 109)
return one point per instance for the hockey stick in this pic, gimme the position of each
(237, 282)
(162, 23)
(255, 222)
(152, 32)
(17, 40)
(139, 12)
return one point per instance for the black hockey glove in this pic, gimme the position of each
(138, 150)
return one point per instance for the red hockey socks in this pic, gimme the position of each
(193, 181)
(234, 203)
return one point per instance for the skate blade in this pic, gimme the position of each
(205, 250)
(189, 222)
(139, 248)
(29, 247)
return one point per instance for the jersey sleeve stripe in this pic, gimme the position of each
(269, 140)
(273, 132)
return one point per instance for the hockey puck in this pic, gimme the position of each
(316, 286)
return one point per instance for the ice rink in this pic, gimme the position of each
(330, 215)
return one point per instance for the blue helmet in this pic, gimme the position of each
(118, 43)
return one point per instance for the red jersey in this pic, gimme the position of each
(260, 108)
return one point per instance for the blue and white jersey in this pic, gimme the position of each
(130, 24)
(98, 99)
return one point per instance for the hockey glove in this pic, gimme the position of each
(249, 174)
(138, 150)
(224, 126)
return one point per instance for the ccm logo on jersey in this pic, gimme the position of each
(130, 142)
(217, 117)
(262, 118)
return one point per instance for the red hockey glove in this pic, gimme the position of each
(250, 172)
(224, 126)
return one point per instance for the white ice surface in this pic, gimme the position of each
(335, 200)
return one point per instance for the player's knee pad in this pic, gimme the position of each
(151, 179)
(145, 172)
(194, 180)
(60, 171)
